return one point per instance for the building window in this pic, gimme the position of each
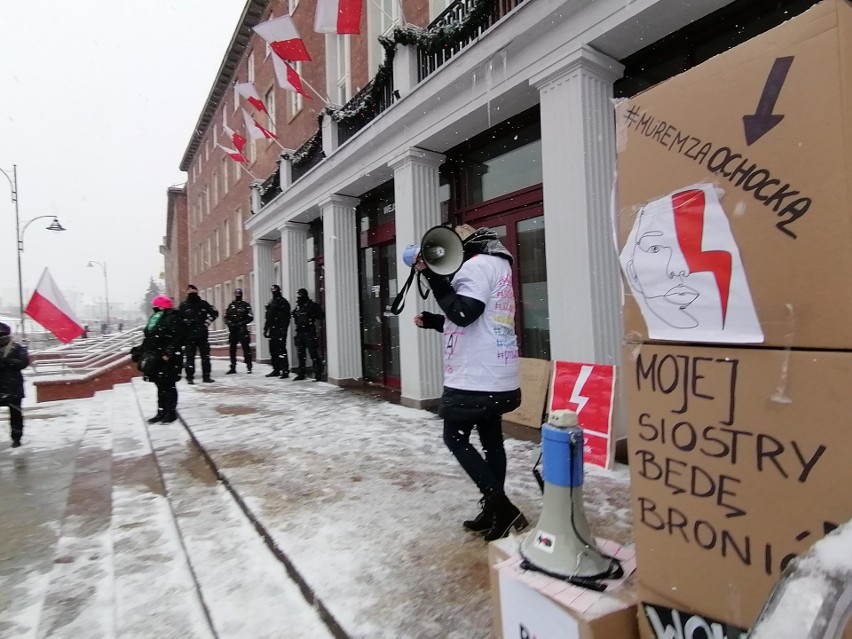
(297, 101)
(382, 17)
(238, 229)
(238, 283)
(218, 303)
(228, 294)
(225, 161)
(226, 233)
(437, 7)
(270, 107)
(216, 255)
(338, 69)
(215, 187)
(206, 201)
(250, 66)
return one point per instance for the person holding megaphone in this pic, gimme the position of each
(480, 362)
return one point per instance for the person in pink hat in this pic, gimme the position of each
(161, 356)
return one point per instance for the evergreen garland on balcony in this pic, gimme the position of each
(432, 39)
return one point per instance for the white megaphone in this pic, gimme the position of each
(441, 250)
(561, 545)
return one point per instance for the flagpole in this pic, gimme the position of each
(254, 177)
(389, 17)
(322, 97)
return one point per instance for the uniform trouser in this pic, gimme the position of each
(167, 395)
(16, 419)
(203, 347)
(242, 338)
(489, 474)
(308, 342)
(278, 352)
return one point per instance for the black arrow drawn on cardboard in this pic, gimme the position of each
(763, 120)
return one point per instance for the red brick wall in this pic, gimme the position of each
(53, 390)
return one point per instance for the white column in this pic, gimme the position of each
(294, 269)
(415, 174)
(330, 135)
(263, 281)
(578, 162)
(342, 325)
(405, 69)
(256, 201)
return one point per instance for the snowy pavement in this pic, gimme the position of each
(299, 490)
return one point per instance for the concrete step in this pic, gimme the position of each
(156, 594)
(245, 586)
(79, 599)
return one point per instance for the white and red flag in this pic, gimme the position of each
(283, 39)
(247, 90)
(235, 155)
(254, 130)
(338, 16)
(287, 77)
(48, 307)
(238, 140)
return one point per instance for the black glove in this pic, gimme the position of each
(432, 320)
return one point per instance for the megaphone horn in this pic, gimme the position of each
(561, 544)
(441, 250)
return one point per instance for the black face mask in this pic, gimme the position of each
(192, 296)
(276, 294)
(238, 298)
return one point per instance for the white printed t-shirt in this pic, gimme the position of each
(484, 355)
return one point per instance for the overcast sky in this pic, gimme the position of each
(98, 100)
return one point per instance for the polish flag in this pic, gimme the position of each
(235, 155)
(238, 140)
(48, 307)
(254, 130)
(247, 90)
(287, 77)
(283, 38)
(338, 16)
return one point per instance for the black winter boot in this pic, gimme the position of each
(232, 370)
(482, 521)
(157, 418)
(504, 517)
(169, 417)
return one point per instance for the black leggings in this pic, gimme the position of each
(489, 474)
(16, 419)
(167, 395)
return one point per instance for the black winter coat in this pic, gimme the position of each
(196, 315)
(277, 316)
(238, 316)
(13, 359)
(305, 316)
(166, 338)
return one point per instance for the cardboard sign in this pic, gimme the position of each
(768, 124)
(526, 614)
(737, 459)
(667, 623)
(587, 389)
(535, 381)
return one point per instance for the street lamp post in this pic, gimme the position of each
(19, 236)
(106, 286)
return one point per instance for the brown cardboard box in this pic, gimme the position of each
(786, 189)
(739, 460)
(498, 552)
(535, 381)
(550, 608)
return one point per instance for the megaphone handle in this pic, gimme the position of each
(423, 294)
(399, 301)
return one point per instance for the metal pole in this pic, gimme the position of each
(20, 249)
(106, 290)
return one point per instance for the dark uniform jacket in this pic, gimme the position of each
(305, 316)
(195, 315)
(238, 316)
(277, 316)
(13, 359)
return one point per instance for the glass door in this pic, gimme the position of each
(379, 327)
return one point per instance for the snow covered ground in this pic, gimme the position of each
(350, 501)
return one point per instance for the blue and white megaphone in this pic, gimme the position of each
(561, 545)
(441, 250)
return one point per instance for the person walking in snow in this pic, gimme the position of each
(161, 356)
(197, 315)
(237, 317)
(13, 359)
(305, 317)
(481, 380)
(275, 330)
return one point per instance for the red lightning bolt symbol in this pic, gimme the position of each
(689, 222)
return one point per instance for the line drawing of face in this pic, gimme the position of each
(658, 270)
(683, 265)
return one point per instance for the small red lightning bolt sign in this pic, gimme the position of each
(587, 389)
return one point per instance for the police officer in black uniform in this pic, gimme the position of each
(275, 329)
(196, 314)
(305, 316)
(237, 317)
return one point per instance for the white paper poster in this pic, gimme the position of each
(684, 267)
(527, 613)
